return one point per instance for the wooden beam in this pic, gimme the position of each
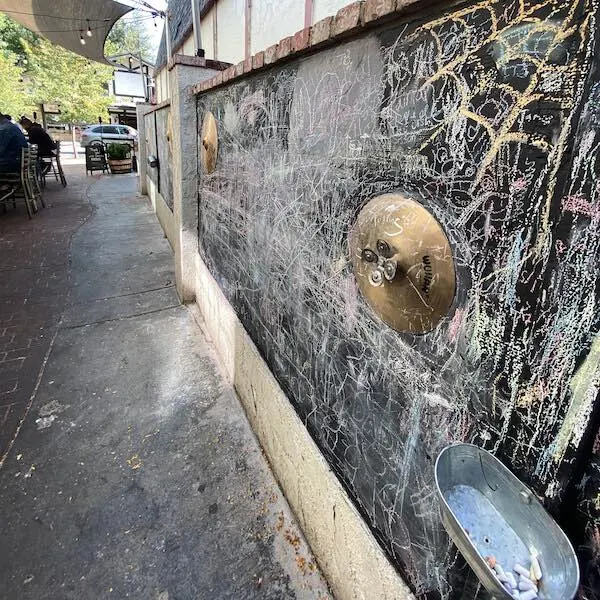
(247, 28)
(308, 12)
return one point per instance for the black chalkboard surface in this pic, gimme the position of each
(95, 158)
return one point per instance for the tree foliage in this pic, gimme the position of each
(13, 98)
(61, 77)
(13, 37)
(35, 71)
(130, 35)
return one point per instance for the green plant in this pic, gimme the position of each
(118, 151)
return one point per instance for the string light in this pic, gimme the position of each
(89, 31)
(81, 38)
(141, 20)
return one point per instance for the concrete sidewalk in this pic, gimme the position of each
(135, 473)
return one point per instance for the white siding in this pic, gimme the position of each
(327, 8)
(206, 31)
(188, 47)
(272, 20)
(162, 85)
(230, 30)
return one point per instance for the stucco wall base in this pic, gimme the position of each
(348, 554)
(163, 212)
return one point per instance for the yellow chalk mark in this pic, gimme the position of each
(135, 462)
(584, 386)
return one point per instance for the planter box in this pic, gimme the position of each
(120, 166)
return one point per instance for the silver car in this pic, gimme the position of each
(108, 134)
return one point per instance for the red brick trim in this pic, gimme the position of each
(320, 32)
(197, 61)
(301, 40)
(349, 20)
(158, 106)
(258, 60)
(271, 54)
(377, 9)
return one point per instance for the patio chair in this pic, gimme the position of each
(35, 174)
(53, 163)
(21, 184)
(6, 193)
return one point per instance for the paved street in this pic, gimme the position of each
(129, 469)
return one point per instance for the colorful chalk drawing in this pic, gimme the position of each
(489, 115)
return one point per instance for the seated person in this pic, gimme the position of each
(39, 136)
(12, 141)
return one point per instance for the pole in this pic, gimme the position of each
(73, 139)
(144, 81)
(196, 23)
(168, 34)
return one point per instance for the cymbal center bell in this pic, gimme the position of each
(386, 263)
(403, 263)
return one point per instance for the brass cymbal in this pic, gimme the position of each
(403, 263)
(170, 130)
(210, 143)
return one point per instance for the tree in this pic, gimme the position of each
(13, 37)
(130, 35)
(61, 77)
(34, 71)
(13, 98)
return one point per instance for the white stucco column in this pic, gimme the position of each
(142, 152)
(184, 72)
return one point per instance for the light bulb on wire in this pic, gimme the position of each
(89, 31)
(81, 38)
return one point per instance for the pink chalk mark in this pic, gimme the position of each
(455, 324)
(579, 205)
(519, 184)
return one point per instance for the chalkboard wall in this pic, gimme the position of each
(157, 124)
(489, 115)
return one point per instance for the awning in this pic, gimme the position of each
(63, 22)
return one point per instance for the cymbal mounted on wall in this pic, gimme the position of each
(170, 130)
(403, 263)
(209, 143)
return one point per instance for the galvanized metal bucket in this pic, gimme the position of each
(488, 512)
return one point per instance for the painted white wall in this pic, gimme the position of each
(230, 30)
(206, 32)
(327, 8)
(188, 46)
(272, 20)
(162, 85)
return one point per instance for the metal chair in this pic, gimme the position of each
(54, 163)
(35, 174)
(6, 193)
(21, 183)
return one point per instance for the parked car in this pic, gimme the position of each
(109, 133)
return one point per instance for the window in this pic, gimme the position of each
(110, 130)
(97, 129)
